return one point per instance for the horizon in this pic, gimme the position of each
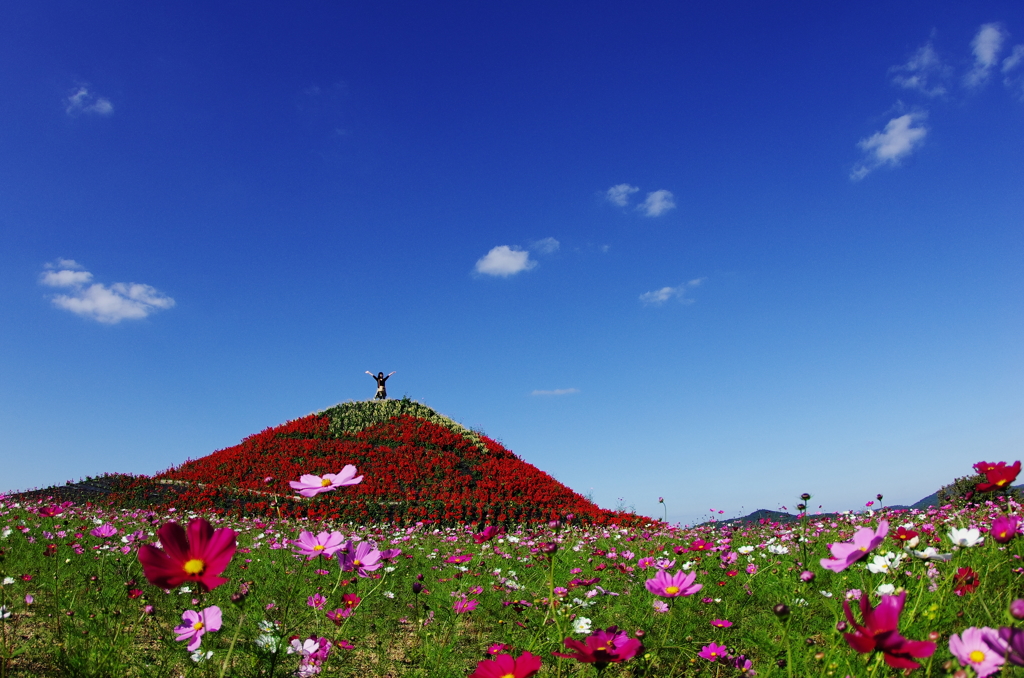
(720, 254)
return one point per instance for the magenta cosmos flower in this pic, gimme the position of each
(879, 633)
(504, 666)
(847, 553)
(310, 485)
(196, 624)
(1004, 528)
(103, 531)
(198, 555)
(362, 560)
(487, 534)
(462, 605)
(603, 647)
(713, 652)
(673, 585)
(323, 544)
(974, 648)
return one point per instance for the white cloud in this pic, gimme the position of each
(920, 72)
(504, 261)
(657, 203)
(546, 246)
(97, 301)
(659, 297)
(619, 195)
(556, 392)
(888, 147)
(1014, 80)
(986, 46)
(82, 101)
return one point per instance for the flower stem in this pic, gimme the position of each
(231, 648)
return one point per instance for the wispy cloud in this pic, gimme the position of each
(657, 203)
(921, 72)
(503, 261)
(546, 246)
(556, 392)
(659, 297)
(83, 101)
(890, 146)
(619, 194)
(96, 301)
(986, 45)
(1013, 74)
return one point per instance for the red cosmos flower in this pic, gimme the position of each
(603, 647)
(904, 535)
(199, 556)
(504, 666)
(965, 581)
(701, 545)
(879, 633)
(51, 511)
(998, 475)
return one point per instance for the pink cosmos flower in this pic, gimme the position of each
(199, 556)
(459, 559)
(973, 648)
(505, 666)
(197, 624)
(673, 585)
(864, 540)
(721, 623)
(660, 606)
(316, 601)
(462, 605)
(323, 544)
(1004, 529)
(365, 558)
(105, 530)
(310, 485)
(713, 652)
(51, 511)
(879, 632)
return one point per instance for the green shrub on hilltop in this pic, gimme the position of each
(354, 416)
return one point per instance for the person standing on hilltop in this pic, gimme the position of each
(382, 393)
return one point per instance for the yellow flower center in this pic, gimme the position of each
(1002, 482)
(357, 563)
(198, 626)
(977, 656)
(319, 547)
(325, 482)
(863, 548)
(194, 566)
(671, 589)
(508, 675)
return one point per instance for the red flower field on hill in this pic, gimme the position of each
(417, 465)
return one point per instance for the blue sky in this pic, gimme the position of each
(723, 254)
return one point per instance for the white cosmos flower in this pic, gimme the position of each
(581, 625)
(745, 549)
(966, 536)
(931, 554)
(885, 590)
(885, 564)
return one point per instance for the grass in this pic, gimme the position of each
(93, 613)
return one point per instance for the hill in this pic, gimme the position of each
(416, 463)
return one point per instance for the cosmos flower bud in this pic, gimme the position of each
(1017, 608)
(781, 611)
(417, 587)
(806, 576)
(805, 496)
(878, 497)
(841, 626)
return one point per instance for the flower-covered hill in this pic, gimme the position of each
(416, 464)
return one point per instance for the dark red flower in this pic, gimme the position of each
(199, 556)
(903, 534)
(965, 581)
(879, 633)
(603, 647)
(998, 475)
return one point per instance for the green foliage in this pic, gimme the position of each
(962, 491)
(353, 416)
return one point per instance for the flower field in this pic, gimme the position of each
(201, 586)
